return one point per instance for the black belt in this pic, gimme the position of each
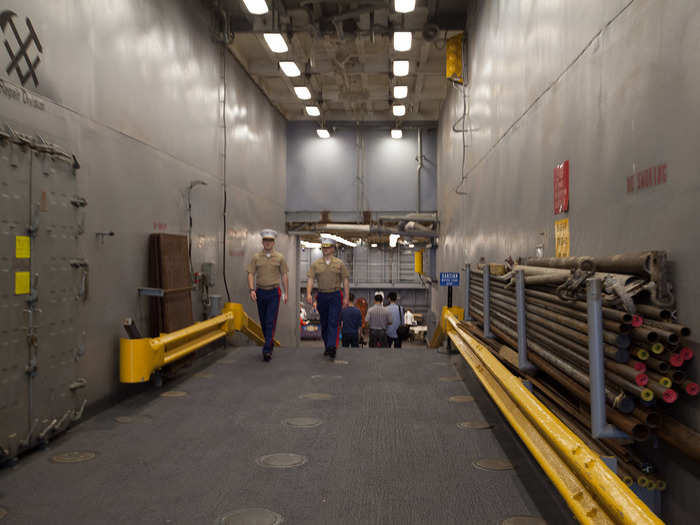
(269, 287)
(329, 291)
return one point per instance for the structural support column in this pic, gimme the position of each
(596, 372)
(524, 365)
(487, 301)
(467, 280)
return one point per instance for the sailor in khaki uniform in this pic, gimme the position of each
(332, 275)
(265, 270)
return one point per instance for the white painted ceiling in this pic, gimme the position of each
(344, 50)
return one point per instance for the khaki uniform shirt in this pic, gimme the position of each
(267, 270)
(329, 276)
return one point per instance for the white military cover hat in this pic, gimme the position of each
(325, 241)
(268, 234)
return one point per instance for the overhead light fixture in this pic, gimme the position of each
(302, 92)
(323, 133)
(259, 7)
(396, 133)
(401, 68)
(276, 43)
(307, 244)
(399, 110)
(402, 40)
(404, 6)
(411, 245)
(290, 68)
(374, 245)
(400, 91)
(339, 239)
(313, 111)
(393, 237)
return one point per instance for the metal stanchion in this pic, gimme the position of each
(487, 301)
(524, 365)
(596, 372)
(467, 279)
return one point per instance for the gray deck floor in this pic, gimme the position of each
(388, 451)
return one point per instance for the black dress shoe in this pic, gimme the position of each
(267, 356)
(327, 351)
(331, 352)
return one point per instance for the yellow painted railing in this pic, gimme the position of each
(139, 358)
(593, 492)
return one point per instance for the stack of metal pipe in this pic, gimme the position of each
(645, 357)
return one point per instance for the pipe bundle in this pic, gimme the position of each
(644, 352)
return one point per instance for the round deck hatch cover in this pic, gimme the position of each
(461, 399)
(74, 457)
(174, 393)
(493, 464)
(302, 422)
(475, 425)
(281, 460)
(316, 396)
(251, 517)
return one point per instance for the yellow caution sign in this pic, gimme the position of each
(453, 58)
(22, 283)
(23, 247)
(561, 238)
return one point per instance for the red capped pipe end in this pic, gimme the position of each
(639, 366)
(637, 321)
(670, 395)
(691, 388)
(686, 353)
(676, 360)
(642, 379)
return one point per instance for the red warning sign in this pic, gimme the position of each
(561, 188)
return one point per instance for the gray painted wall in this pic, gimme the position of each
(134, 88)
(323, 174)
(540, 94)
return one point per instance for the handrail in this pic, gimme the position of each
(140, 358)
(592, 491)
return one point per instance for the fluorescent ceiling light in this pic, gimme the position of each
(402, 40)
(259, 7)
(400, 91)
(276, 43)
(323, 133)
(396, 133)
(302, 92)
(307, 244)
(290, 68)
(401, 68)
(313, 111)
(339, 239)
(404, 6)
(374, 245)
(393, 237)
(399, 110)
(411, 245)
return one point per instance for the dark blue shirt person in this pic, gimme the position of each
(351, 320)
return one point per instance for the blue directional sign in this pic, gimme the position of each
(449, 278)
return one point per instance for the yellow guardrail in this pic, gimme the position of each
(139, 358)
(592, 491)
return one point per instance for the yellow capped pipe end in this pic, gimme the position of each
(647, 395)
(238, 316)
(138, 359)
(657, 348)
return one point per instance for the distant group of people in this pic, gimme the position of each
(388, 326)
(338, 313)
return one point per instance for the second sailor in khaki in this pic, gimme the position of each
(265, 270)
(331, 275)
